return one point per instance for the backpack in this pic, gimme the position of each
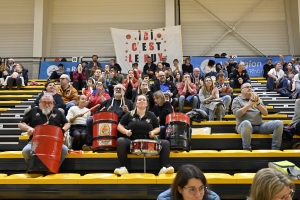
(286, 167)
(284, 92)
(197, 115)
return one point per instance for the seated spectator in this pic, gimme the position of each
(79, 77)
(149, 68)
(144, 88)
(77, 117)
(50, 90)
(276, 78)
(208, 93)
(97, 97)
(231, 66)
(112, 63)
(289, 74)
(176, 67)
(56, 74)
(159, 68)
(2, 68)
(168, 74)
(10, 65)
(84, 65)
(90, 87)
(91, 71)
(106, 75)
(146, 78)
(210, 69)
(177, 79)
(197, 79)
(247, 109)
(296, 118)
(140, 124)
(222, 69)
(161, 109)
(131, 85)
(187, 67)
(284, 63)
(189, 183)
(297, 64)
(18, 77)
(92, 66)
(187, 93)
(271, 184)
(239, 76)
(164, 62)
(137, 73)
(68, 93)
(225, 91)
(166, 87)
(267, 67)
(115, 78)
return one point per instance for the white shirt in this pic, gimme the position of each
(207, 69)
(74, 110)
(277, 74)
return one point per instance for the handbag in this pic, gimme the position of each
(286, 167)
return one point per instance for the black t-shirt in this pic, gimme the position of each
(140, 127)
(163, 111)
(35, 117)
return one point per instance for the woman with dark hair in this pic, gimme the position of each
(189, 184)
(175, 67)
(177, 78)
(187, 67)
(140, 124)
(131, 85)
(79, 77)
(161, 109)
(144, 88)
(97, 97)
(210, 69)
(50, 89)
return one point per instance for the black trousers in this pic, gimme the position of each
(123, 148)
(14, 81)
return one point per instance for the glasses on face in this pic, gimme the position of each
(162, 75)
(193, 190)
(248, 87)
(289, 196)
(47, 102)
(117, 88)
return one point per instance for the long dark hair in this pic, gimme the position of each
(184, 174)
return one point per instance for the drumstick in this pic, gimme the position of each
(102, 109)
(123, 99)
(91, 109)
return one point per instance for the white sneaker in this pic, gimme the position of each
(121, 171)
(169, 170)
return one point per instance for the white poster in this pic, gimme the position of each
(133, 46)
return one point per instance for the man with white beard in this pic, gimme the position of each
(44, 114)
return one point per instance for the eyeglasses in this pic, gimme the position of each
(47, 102)
(117, 88)
(193, 190)
(162, 75)
(289, 196)
(248, 87)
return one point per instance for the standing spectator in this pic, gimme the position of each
(68, 93)
(247, 109)
(267, 67)
(79, 77)
(175, 67)
(115, 78)
(164, 62)
(112, 63)
(187, 67)
(239, 76)
(196, 78)
(131, 85)
(97, 97)
(56, 74)
(149, 68)
(187, 93)
(207, 94)
(276, 78)
(225, 91)
(210, 69)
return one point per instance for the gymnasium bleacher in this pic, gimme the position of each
(228, 168)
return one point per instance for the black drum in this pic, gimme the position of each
(178, 131)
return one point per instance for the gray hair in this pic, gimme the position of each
(47, 96)
(66, 76)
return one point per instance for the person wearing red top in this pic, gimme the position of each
(97, 97)
(79, 77)
(137, 73)
(131, 84)
(187, 93)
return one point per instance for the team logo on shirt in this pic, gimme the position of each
(148, 120)
(53, 115)
(37, 114)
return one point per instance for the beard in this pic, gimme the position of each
(117, 94)
(46, 110)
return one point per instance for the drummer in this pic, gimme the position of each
(42, 115)
(141, 124)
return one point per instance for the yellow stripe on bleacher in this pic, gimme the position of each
(16, 96)
(270, 116)
(10, 102)
(3, 109)
(217, 123)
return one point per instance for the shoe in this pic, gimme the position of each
(296, 145)
(168, 170)
(86, 148)
(121, 171)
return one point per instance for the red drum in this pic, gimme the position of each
(178, 131)
(147, 147)
(105, 131)
(46, 149)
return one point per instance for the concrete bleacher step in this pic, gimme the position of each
(20, 92)
(8, 125)
(14, 110)
(10, 119)
(15, 97)
(12, 114)
(11, 131)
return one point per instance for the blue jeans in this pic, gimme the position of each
(211, 74)
(190, 100)
(211, 113)
(27, 149)
(283, 83)
(226, 101)
(246, 129)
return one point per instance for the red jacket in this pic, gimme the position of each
(181, 86)
(80, 77)
(134, 83)
(96, 100)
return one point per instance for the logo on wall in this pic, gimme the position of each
(51, 69)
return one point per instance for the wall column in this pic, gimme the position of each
(169, 13)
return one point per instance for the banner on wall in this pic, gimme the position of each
(253, 65)
(133, 46)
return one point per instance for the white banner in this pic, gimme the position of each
(133, 46)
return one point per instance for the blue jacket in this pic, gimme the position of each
(166, 195)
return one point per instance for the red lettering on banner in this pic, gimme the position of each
(151, 46)
(130, 58)
(160, 56)
(146, 36)
(134, 48)
(145, 57)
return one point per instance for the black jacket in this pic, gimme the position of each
(59, 103)
(244, 75)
